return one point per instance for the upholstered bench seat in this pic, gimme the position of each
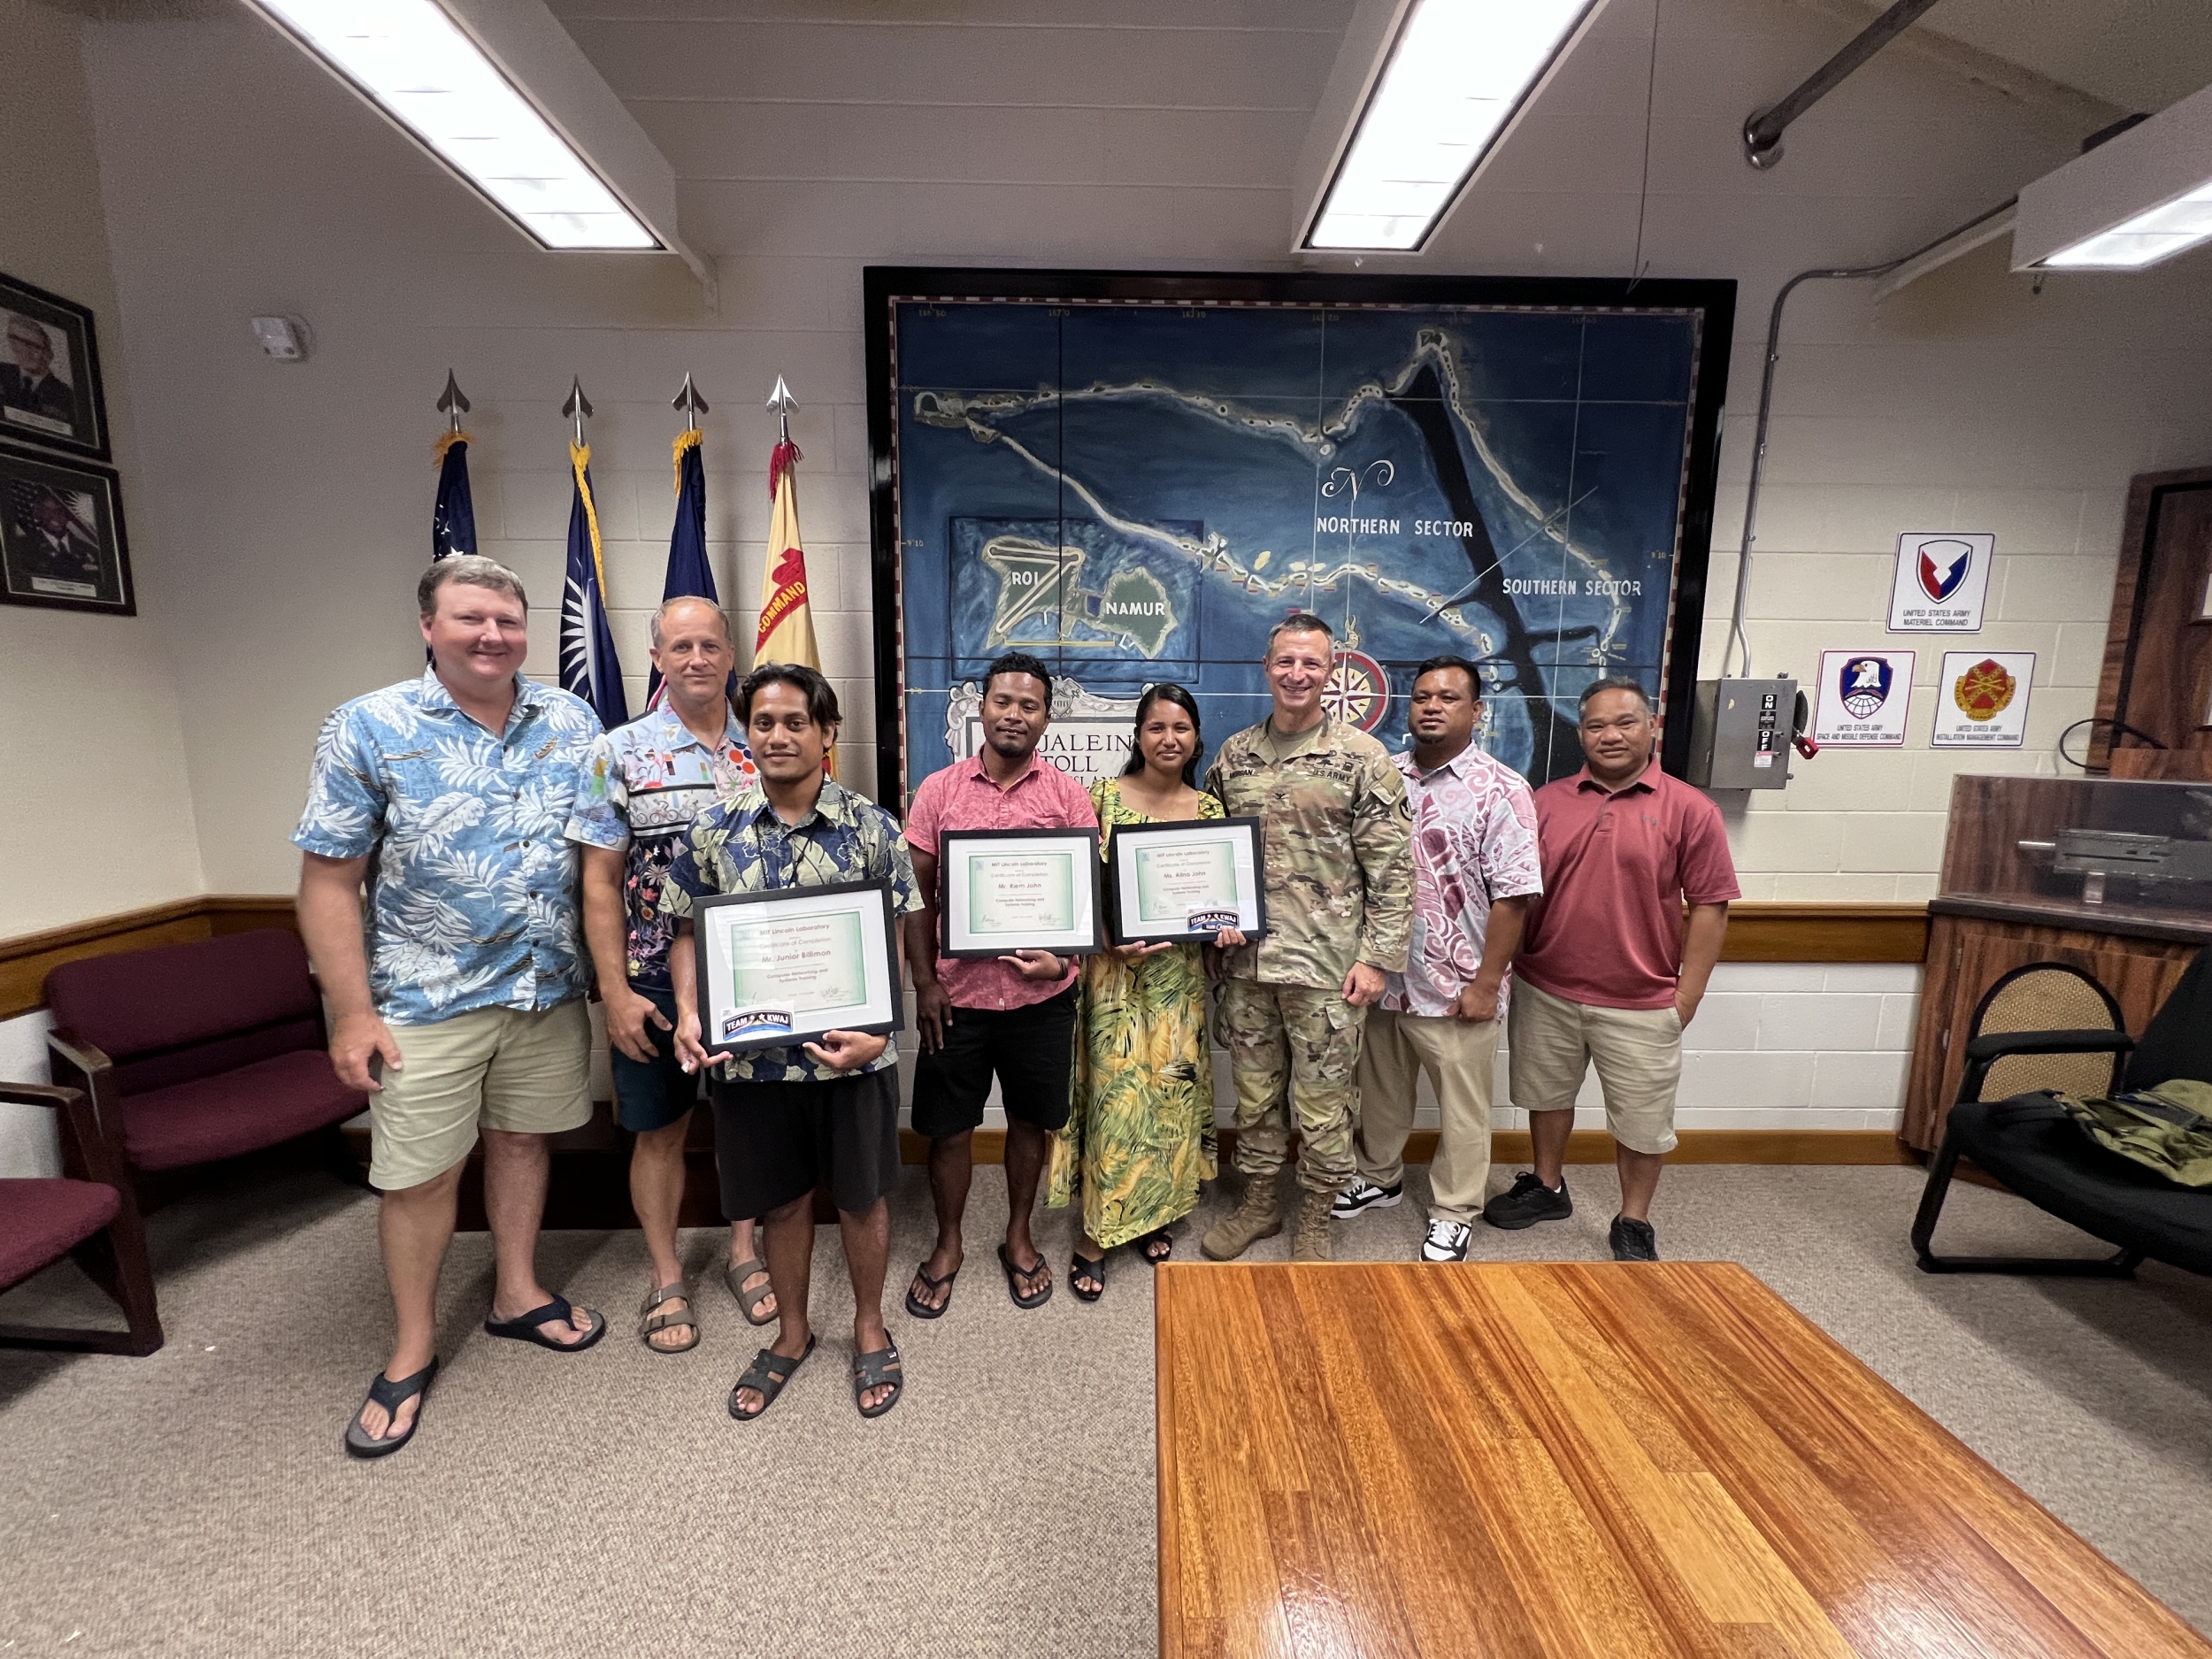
(238, 1111)
(45, 1219)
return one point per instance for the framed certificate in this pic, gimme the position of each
(1000, 891)
(778, 968)
(1186, 880)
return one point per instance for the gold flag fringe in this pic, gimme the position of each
(690, 440)
(446, 441)
(580, 458)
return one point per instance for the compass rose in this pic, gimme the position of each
(1358, 691)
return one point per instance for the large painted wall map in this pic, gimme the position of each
(1135, 491)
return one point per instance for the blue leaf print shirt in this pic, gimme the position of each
(472, 879)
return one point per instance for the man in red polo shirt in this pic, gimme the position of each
(1610, 972)
(1015, 1015)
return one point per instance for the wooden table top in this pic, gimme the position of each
(1624, 1460)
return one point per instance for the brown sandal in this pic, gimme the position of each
(649, 1322)
(734, 1274)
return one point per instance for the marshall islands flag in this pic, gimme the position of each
(588, 667)
(453, 517)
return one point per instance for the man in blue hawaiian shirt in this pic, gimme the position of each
(788, 1120)
(647, 781)
(461, 1002)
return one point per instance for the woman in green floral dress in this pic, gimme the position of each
(1139, 1137)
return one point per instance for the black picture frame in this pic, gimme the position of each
(1086, 840)
(883, 286)
(73, 419)
(1124, 834)
(63, 546)
(725, 1048)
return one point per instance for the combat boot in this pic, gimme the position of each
(1256, 1218)
(1310, 1241)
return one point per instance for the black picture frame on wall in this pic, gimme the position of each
(50, 372)
(888, 287)
(62, 542)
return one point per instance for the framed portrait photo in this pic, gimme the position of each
(1183, 881)
(50, 372)
(780, 968)
(61, 536)
(1000, 891)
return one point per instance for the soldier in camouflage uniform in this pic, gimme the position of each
(1336, 835)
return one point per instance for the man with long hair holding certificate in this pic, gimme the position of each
(819, 1113)
(1139, 1134)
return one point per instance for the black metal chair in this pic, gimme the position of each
(2006, 1122)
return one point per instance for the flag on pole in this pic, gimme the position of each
(785, 633)
(453, 519)
(689, 575)
(588, 667)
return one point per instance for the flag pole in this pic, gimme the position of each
(781, 404)
(450, 401)
(578, 406)
(689, 401)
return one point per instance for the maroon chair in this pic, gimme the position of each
(201, 1051)
(89, 1213)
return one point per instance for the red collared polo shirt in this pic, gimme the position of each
(1617, 870)
(962, 796)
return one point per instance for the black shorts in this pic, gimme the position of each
(1032, 1049)
(774, 1142)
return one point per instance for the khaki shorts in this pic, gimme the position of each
(1638, 1052)
(507, 1068)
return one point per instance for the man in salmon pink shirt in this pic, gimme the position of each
(1612, 969)
(1013, 1017)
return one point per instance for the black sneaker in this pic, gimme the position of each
(1364, 1195)
(1633, 1241)
(1528, 1202)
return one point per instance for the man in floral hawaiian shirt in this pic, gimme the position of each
(1475, 871)
(647, 781)
(461, 1002)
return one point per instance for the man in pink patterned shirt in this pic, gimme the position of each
(1013, 1017)
(1474, 869)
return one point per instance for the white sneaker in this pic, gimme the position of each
(1363, 1194)
(1447, 1241)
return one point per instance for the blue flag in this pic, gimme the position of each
(453, 520)
(588, 667)
(689, 575)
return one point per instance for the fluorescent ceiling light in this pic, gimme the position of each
(408, 59)
(2140, 198)
(1455, 76)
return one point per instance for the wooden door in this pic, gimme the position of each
(2156, 687)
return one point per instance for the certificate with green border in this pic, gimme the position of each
(780, 968)
(1000, 891)
(1185, 880)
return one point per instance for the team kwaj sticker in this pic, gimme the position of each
(1983, 700)
(1864, 697)
(1942, 578)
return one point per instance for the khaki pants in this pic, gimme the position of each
(1459, 1058)
(1638, 1052)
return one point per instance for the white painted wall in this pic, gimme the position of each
(812, 140)
(95, 815)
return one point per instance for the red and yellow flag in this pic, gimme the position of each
(785, 632)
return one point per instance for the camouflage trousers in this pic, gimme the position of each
(1292, 1048)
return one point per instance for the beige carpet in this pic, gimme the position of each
(197, 1502)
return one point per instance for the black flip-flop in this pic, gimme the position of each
(921, 1310)
(767, 1374)
(391, 1395)
(1014, 1275)
(1158, 1235)
(1080, 1267)
(529, 1327)
(875, 1370)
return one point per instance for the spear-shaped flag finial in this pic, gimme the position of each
(578, 408)
(781, 404)
(689, 401)
(451, 403)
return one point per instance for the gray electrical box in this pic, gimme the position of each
(1740, 738)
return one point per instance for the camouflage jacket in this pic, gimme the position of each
(1336, 834)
